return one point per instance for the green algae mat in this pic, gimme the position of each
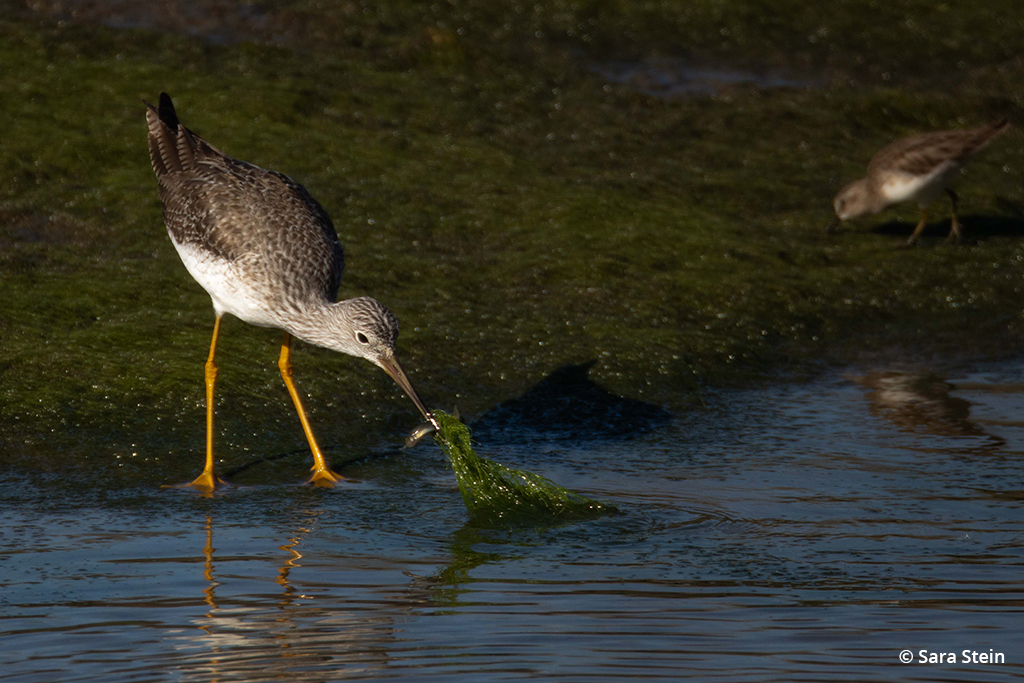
(496, 494)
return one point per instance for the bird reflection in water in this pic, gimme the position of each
(923, 402)
(291, 561)
(211, 598)
(289, 633)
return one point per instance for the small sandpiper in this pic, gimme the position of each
(917, 168)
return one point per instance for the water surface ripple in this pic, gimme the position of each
(804, 532)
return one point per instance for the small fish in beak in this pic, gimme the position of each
(420, 432)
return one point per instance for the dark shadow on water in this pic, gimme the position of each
(568, 405)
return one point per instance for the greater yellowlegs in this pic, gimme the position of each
(267, 253)
(917, 168)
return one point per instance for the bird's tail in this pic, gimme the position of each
(172, 146)
(1000, 125)
(986, 133)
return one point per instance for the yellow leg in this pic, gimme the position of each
(206, 481)
(954, 226)
(322, 474)
(919, 229)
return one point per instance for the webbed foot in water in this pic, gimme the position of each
(206, 483)
(324, 478)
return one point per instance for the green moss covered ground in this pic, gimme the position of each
(514, 208)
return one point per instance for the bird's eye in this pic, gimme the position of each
(361, 338)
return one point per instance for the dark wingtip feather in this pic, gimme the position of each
(167, 113)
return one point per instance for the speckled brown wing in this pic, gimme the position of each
(258, 219)
(923, 154)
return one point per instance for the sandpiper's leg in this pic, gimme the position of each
(954, 226)
(207, 481)
(322, 474)
(919, 229)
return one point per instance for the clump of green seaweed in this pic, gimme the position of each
(496, 494)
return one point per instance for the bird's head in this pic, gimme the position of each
(364, 327)
(853, 200)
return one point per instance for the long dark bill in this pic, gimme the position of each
(394, 369)
(833, 226)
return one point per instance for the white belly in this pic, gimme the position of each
(223, 281)
(906, 187)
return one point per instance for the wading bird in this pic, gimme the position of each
(266, 252)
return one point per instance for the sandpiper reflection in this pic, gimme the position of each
(923, 402)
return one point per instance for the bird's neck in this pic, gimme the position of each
(318, 325)
(325, 325)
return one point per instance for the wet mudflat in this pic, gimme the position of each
(809, 531)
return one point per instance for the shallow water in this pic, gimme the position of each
(674, 78)
(795, 532)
